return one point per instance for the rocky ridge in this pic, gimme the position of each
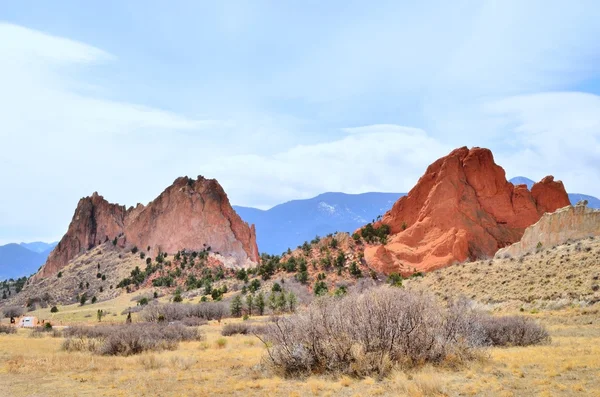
(568, 223)
(189, 214)
(461, 208)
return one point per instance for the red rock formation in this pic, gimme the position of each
(189, 214)
(463, 207)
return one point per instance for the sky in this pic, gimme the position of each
(282, 100)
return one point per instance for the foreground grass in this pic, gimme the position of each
(569, 366)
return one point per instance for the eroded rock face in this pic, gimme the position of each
(571, 222)
(189, 214)
(461, 208)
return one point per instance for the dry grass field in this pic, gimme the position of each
(549, 286)
(36, 366)
(550, 278)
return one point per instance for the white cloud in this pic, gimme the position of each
(555, 133)
(264, 109)
(370, 158)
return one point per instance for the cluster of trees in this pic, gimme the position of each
(11, 285)
(255, 304)
(372, 235)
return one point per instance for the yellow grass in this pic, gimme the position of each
(550, 278)
(569, 366)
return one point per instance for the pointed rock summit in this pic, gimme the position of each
(189, 214)
(462, 208)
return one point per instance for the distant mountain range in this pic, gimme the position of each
(284, 226)
(18, 260)
(289, 224)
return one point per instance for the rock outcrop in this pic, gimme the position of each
(461, 208)
(568, 223)
(189, 214)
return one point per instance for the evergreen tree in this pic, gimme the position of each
(292, 302)
(272, 302)
(259, 303)
(281, 302)
(249, 303)
(236, 306)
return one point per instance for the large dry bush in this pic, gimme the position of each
(236, 328)
(7, 329)
(369, 333)
(514, 331)
(128, 339)
(170, 312)
(12, 311)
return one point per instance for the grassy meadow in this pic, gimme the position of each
(36, 366)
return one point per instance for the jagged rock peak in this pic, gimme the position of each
(189, 214)
(461, 208)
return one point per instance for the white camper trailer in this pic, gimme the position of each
(27, 322)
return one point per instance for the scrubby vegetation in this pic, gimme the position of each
(371, 333)
(236, 328)
(7, 329)
(128, 339)
(183, 312)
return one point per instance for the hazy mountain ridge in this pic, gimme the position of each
(289, 224)
(24, 259)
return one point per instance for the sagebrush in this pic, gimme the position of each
(370, 333)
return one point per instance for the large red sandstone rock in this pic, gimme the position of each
(189, 214)
(462, 208)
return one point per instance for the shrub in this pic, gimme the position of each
(236, 328)
(54, 309)
(369, 333)
(127, 339)
(395, 280)
(514, 331)
(221, 343)
(12, 311)
(320, 288)
(193, 321)
(7, 329)
(177, 312)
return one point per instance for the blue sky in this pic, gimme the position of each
(283, 100)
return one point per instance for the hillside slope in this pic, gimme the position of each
(568, 272)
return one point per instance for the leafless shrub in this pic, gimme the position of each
(128, 339)
(134, 309)
(12, 311)
(178, 312)
(193, 321)
(370, 333)
(514, 331)
(236, 328)
(7, 329)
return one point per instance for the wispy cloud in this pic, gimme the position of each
(288, 101)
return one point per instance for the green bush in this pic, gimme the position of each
(54, 309)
